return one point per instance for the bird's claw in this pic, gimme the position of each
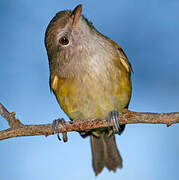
(113, 116)
(55, 129)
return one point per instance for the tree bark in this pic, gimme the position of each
(18, 129)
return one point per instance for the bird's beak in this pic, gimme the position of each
(75, 15)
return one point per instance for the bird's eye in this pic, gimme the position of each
(63, 40)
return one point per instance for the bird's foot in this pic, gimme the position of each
(55, 129)
(114, 116)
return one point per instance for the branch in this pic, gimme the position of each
(18, 129)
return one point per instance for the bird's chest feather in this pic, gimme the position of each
(92, 96)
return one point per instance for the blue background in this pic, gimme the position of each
(148, 31)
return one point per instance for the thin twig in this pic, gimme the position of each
(126, 117)
(10, 117)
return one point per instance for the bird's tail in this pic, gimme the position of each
(105, 153)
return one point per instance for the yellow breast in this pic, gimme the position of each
(90, 97)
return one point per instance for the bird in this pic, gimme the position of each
(90, 76)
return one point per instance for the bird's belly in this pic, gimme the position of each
(91, 99)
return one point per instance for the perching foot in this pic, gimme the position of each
(113, 116)
(55, 129)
